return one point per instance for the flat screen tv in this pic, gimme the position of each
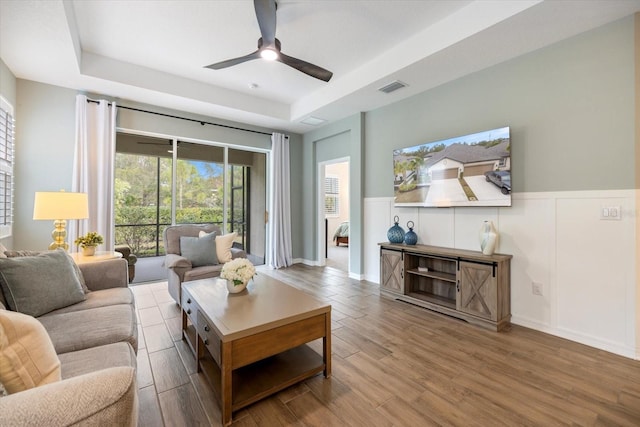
(470, 170)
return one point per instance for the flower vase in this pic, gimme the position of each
(233, 288)
(488, 238)
(88, 251)
(395, 233)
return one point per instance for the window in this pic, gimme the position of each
(7, 127)
(331, 196)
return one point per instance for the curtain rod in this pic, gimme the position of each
(202, 122)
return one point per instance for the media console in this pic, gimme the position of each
(461, 283)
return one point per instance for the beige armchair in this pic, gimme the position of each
(179, 268)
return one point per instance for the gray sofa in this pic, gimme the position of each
(179, 268)
(96, 341)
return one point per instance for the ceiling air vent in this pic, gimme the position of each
(313, 121)
(393, 86)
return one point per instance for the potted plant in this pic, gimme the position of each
(89, 242)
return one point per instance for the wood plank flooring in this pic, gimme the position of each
(395, 364)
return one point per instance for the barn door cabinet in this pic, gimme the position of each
(391, 271)
(465, 284)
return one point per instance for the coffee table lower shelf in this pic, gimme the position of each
(264, 377)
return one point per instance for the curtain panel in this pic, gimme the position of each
(93, 167)
(280, 204)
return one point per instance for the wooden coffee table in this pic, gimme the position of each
(252, 344)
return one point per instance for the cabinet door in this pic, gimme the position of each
(477, 290)
(391, 271)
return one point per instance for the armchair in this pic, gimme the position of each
(179, 268)
(125, 250)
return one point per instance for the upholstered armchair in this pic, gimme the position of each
(125, 250)
(180, 268)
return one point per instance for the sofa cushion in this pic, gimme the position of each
(27, 356)
(223, 246)
(15, 254)
(93, 359)
(199, 250)
(82, 329)
(101, 298)
(36, 285)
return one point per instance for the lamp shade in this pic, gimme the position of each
(60, 205)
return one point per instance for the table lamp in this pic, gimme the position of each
(60, 206)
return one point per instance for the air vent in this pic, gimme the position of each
(392, 87)
(313, 121)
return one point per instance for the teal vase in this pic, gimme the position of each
(410, 238)
(395, 233)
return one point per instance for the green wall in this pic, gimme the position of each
(45, 140)
(570, 107)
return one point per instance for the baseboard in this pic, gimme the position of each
(577, 337)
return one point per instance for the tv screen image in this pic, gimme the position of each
(470, 170)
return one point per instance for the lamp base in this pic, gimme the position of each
(59, 235)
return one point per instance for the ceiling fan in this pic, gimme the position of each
(269, 45)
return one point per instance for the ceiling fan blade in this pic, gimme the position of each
(305, 67)
(234, 61)
(266, 14)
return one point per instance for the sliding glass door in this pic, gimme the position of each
(209, 184)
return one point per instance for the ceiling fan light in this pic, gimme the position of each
(269, 54)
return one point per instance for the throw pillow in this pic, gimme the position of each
(199, 250)
(27, 356)
(36, 285)
(14, 254)
(223, 246)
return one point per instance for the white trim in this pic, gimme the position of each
(6, 231)
(320, 216)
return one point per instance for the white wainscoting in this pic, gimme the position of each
(586, 265)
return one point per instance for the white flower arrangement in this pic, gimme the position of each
(239, 270)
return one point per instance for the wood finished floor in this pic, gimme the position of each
(395, 365)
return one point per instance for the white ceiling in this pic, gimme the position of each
(154, 51)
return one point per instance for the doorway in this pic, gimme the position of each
(336, 213)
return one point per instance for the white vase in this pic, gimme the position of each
(234, 289)
(488, 238)
(89, 251)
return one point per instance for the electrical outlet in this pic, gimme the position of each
(536, 288)
(611, 213)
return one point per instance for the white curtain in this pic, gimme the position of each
(280, 204)
(93, 167)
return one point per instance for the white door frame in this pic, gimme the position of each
(320, 227)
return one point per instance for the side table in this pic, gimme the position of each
(99, 256)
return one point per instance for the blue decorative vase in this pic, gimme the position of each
(395, 233)
(410, 238)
